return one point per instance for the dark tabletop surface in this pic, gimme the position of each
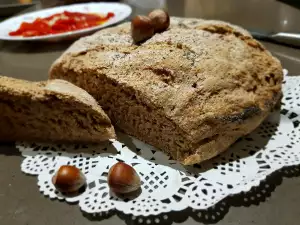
(279, 201)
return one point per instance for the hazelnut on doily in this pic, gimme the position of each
(123, 179)
(68, 179)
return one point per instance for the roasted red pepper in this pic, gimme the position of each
(59, 23)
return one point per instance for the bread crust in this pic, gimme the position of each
(191, 91)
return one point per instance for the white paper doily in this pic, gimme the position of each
(167, 185)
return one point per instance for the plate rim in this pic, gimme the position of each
(66, 34)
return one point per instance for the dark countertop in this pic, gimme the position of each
(22, 204)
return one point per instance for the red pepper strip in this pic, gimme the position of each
(30, 33)
(74, 14)
(71, 14)
(93, 17)
(49, 18)
(41, 26)
(82, 25)
(59, 28)
(110, 14)
(65, 21)
(24, 27)
(14, 33)
(62, 25)
(68, 22)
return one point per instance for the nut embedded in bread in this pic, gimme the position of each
(50, 111)
(191, 90)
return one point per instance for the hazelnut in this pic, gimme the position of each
(68, 179)
(160, 20)
(141, 28)
(123, 179)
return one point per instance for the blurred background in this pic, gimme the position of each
(259, 15)
(229, 10)
(14, 6)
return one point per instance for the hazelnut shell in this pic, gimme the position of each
(141, 28)
(123, 179)
(68, 179)
(160, 20)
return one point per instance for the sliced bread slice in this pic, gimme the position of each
(54, 110)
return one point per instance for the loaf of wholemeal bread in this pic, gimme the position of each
(191, 91)
(50, 111)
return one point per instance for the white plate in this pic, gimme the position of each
(121, 12)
